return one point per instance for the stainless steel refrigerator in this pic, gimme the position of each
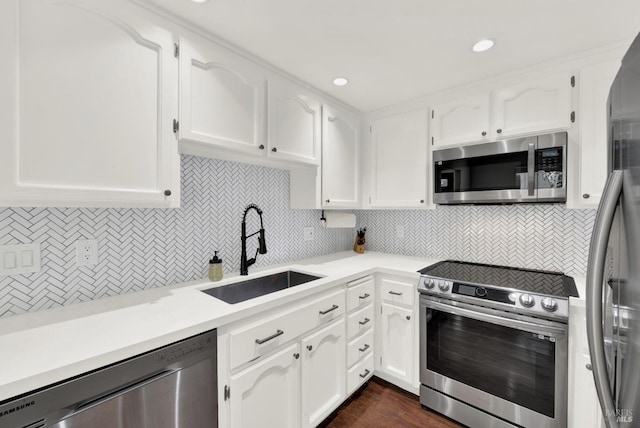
(613, 271)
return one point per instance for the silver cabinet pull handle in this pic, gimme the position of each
(364, 348)
(273, 336)
(365, 374)
(333, 308)
(363, 297)
(366, 320)
(395, 293)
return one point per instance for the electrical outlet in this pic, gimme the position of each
(87, 252)
(309, 233)
(399, 231)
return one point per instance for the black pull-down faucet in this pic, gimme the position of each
(262, 245)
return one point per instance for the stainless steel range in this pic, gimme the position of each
(493, 344)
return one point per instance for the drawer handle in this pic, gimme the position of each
(366, 320)
(296, 355)
(333, 308)
(273, 336)
(365, 374)
(310, 347)
(395, 293)
(365, 348)
(364, 297)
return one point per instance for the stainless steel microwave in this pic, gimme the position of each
(530, 169)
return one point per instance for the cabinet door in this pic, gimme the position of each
(461, 121)
(221, 98)
(323, 373)
(294, 123)
(399, 151)
(267, 394)
(536, 106)
(583, 406)
(340, 163)
(595, 83)
(88, 116)
(397, 343)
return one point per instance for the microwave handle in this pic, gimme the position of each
(531, 166)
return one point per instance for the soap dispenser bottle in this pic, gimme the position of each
(215, 268)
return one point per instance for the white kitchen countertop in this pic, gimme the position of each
(42, 348)
(46, 347)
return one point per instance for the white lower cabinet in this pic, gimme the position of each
(268, 393)
(397, 345)
(360, 332)
(397, 332)
(583, 407)
(285, 367)
(323, 373)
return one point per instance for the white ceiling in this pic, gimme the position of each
(397, 50)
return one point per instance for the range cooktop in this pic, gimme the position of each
(527, 280)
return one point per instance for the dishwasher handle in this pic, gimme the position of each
(96, 401)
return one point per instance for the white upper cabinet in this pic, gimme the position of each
(222, 98)
(340, 159)
(595, 82)
(294, 123)
(87, 98)
(534, 106)
(399, 155)
(460, 121)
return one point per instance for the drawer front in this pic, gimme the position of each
(359, 374)
(359, 348)
(398, 292)
(250, 342)
(360, 295)
(359, 321)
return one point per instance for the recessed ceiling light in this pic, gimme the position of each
(483, 45)
(340, 81)
(199, 1)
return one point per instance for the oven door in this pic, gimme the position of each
(511, 366)
(502, 171)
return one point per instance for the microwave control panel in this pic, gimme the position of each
(549, 160)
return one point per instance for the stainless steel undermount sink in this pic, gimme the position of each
(256, 287)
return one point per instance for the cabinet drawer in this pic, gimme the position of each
(249, 342)
(359, 373)
(398, 292)
(359, 347)
(360, 295)
(359, 321)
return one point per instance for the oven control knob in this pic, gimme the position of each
(444, 286)
(481, 292)
(527, 300)
(430, 283)
(549, 304)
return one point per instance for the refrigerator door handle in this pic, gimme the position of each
(595, 283)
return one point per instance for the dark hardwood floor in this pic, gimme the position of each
(381, 404)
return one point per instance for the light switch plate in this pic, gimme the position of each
(19, 259)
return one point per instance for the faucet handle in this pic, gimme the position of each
(262, 243)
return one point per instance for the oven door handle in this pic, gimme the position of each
(545, 330)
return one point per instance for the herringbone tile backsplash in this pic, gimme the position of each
(548, 237)
(147, 248)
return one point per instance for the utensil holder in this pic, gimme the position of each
(358, 245)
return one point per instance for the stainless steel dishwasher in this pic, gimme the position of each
(171, 387)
